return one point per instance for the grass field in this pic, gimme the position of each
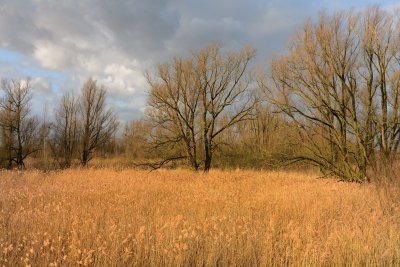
(180, 218)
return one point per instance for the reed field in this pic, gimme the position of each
(104, 217)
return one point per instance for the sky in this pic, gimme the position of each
(61, 43)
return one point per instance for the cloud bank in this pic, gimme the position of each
(61, 43)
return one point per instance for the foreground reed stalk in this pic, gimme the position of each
(180, 218)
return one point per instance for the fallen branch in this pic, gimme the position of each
(158, 165)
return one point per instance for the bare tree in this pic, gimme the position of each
(19, 130)
(174, 101)
(225, 95)
(44, 134)
(335, 85)
(65, 138)
(380, 45)
(192, 101)
(98, 122)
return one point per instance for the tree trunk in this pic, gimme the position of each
(208, 158)
(20, 160)
(85, 158)
(195, 165)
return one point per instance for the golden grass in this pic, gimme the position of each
(180, 218)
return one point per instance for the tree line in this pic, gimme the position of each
(81, 125)
(331, 101)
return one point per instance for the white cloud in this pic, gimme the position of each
(53, 56)
(121, 79)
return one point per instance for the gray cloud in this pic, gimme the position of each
(116, 41)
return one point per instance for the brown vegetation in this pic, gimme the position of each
(193, 101)
(333, 102)
(98, 123)
(181, 218)
(340, 84)
(20, 135)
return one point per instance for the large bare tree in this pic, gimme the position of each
(174, 101)
(225, 96)
(192, 101)
(65, 138)
(98, 121)
(340, 85)
(20, 131)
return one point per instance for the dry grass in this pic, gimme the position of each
(179, 218)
